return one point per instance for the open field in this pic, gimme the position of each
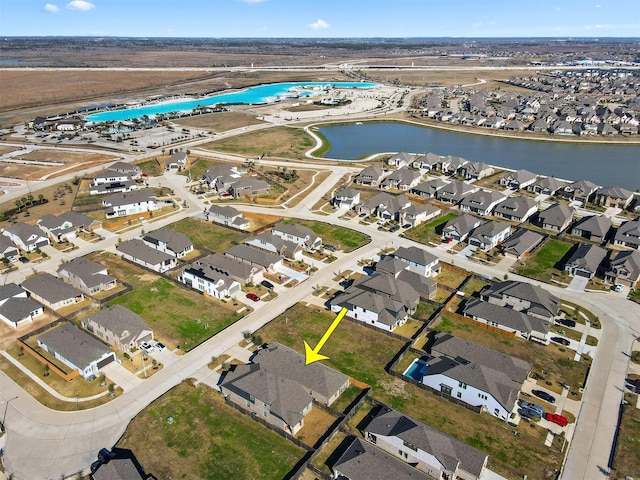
(340, 237)
(542, 265)
(207, 235)
(219, 122)
(59, 199)
(626, 462)
(430, 232)
(39, 172)
(207, 440)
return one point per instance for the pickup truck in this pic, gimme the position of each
(556, 418)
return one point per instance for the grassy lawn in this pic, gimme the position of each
(542, 264)
(151, 168)
(430, 232)
(207, 440)
(320, 460)
(409, 329)
(450, 278)
(473, 286)
(316, 424)
(626, 462)
(206, 234)
(425, 311)
(340, 237)
(344, 400)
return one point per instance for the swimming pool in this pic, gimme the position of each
(250, 96)
(416, 370)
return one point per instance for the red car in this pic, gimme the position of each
(253, 296)
(556, 418)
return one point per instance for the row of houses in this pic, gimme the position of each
(233, 180)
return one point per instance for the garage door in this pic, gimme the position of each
(105, 361)
(582, 273)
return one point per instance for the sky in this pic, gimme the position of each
(321, 18)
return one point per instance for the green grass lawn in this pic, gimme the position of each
(430, 232)
(207, 440)
(151, 167)
(626, 462)
(340, 237)
(275, 142)
(541, 265)
(206, 234)
(425, 311)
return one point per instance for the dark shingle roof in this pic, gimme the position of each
(75, 345)
(177, 242)
(122, 322)
(50, 288)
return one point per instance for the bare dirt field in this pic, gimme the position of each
(37, 172)
(449, 77)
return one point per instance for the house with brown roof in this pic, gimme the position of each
(86, 275)
(119, 327)
(51, 291)
(624, 269)
(595, 228)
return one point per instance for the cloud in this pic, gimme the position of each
(598, 6)
(51, 8)
(80, 5)
(319, 24)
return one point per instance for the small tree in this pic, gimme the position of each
(112, 389)
(257, 339)
(20, 350)
(246, 334)
(45, 373)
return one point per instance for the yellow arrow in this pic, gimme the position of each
(311, 354)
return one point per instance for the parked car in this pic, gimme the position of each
(566, 322)
(448, 240)
(406, 225)
(146, 347)
(253, 296)
(532, 406)
(544, 396)
(618, 287)
(560, 340)
(529, 414)
(394, 228)
(24, 259)
(557, 419)
(161, 347)
(12, 259)
(266, 284)
(331, 248)
(362, 215)
(200, 192)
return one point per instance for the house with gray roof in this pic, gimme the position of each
(476, 170)
(254, 256)
(414, 214)
(595, 228)
(136, 251)
(518, 179)
(418, 260)
(227, 215)
(546, 186)
(489, 234)
(585, 260)
(427, 162)
(428, 189)
(516, 208)
(16, 308)
(86, 275)
(386, 206)
(370, 176)
(424, 286)
(119, 327)
(221, 176)
(293, 232)
(521, 243)
(130, 203)
(7, 248)
(176, 161)
(26, 237)
(217, 266)
(133, 171)
(454, 192)
(580, 191)
(481, 202)
(51, 291)
(400, 159)
(110, 176)
(249, 187)
(612, 196)
(169, 241)
(459, 228)
(418, 444)
(276, 245)
(67, 225)
(401, 179)
(523, 297)
(346, 197)
(76, 349)
(280, 388)
(476, 375)
(624, 269)
(511, 321)
(628, 235)
(451, 164)
(118, 469)
(556, 218)
(364, 461)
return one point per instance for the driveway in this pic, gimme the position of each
(121, 376)
(578, 283)
(291, 273)
(467, 252)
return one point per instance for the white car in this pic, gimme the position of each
(618, 287)
(159, 346)
(146, 347)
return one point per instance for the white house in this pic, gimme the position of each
(299, 234)
(213, 283)
(130, 203)
(16, 308)
(419, 260)
(26, 237)
(489, 235)
(229, 216)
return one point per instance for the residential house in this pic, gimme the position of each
(401, 159)
(418, 444)
(211, 281)
(67, 226)
(86, 275)
(454, 192)
(428, 189)
(279, 388)
(133, 171)
(248, 187)
(424, 286)
(523, 297)
(76, 349)
(51, 291)
(459, 228)
(26, 237)
(276, 245)
(363, 461)
(585, 260)
(346, 197)
(7, 248)
(518, 179)
(489, 235)
(16, 308)
(221, 176)
(476, 170)
(595, 228)
(386, 206)
(118, 469)
(419, 260)
(581, 191)
(130, 203)
(416, 214)
(213, 267)
(228, 216)
(370, 176)
(169, 241)
(427, 162)
(136, 251)
(80, 221)
(176, 161)
(481, 202)
(556, 218)
(616, 197)
(401, 179)
(293, 232)
(450, 165)
(119, 327)
(110, 176)
(521, 243)
(546, 186)
(624, 269)
(254, 256)
(114, 187)
(628, 235)
(516, 208)
(474, 374)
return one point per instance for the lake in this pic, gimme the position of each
(602, 164)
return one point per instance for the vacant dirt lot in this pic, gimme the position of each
(37, 172)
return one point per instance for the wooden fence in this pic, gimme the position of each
(68, 376)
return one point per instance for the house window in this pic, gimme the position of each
(462, 385)
(248, 403)
(410, 445)
(264, 414)
(459, 394)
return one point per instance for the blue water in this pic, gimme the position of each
(250, 96)
(603, 164)
(415, 370)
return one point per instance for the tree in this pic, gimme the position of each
(18, 204)
(30, 199)
(45, 373)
